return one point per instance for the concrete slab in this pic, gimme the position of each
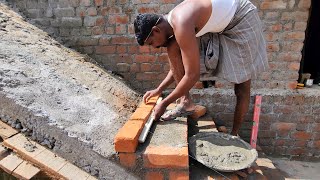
(60, 98)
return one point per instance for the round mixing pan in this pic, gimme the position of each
(222, 152)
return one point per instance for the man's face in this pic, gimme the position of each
(156, 38)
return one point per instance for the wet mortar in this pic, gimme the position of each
(222, 151)
(61, 98)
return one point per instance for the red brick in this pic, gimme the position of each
(154, 176)
(166, 157)
(141, 114)
(144, 58)
(273, 47)
(300, 26)
(300, 135)
(105, 49)
(273, 5)
(270, 36)
(163, 58)
(316, 136)
(176, 175)
(121, 29)
(300, 144)
(145, 67)
(121, 49)
(98, 2)
(110, 10)
(296, 151)
(316, 127)
(91, 11)
(104, 41)
(148, 9)
(316, 144)
(121, 40)
(85, 2)
(168, 1)
(144, 49)
(128, 159)
(279, 142)
(133, 49)
(289, 56)
(283, 129)
(130, 29)
(294, 36)
(109, 30)
(97, 30)
(118, 19)
(100, 21)
(304, 4)
(126, 139)
(157, 68)
(199, 111)
(134, 68)
(297, 16)
(294, 66)
(198, 85)
(147, 76)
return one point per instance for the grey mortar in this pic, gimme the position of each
(60, 98)
(221, 151)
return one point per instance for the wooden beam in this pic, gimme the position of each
(10, 163)
(25, 171)
(44, 158)
(6, 131)
(70, 171)
(26, 148)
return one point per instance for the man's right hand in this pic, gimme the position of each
(150, 94)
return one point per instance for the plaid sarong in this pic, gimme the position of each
(238, 53)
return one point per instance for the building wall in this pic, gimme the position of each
(103, 29)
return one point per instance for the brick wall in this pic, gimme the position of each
(103, 29)
(289, 120)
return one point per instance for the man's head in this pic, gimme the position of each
(148, 30)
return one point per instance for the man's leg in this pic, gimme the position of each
(177, 69)
(242, 92)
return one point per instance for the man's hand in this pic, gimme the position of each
(159, 110)
(150, 94)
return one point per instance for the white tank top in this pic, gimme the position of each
(221, 15)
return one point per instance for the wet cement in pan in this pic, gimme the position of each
(222, 152)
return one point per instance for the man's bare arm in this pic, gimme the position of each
(185, 37)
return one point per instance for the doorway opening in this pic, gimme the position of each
(310, 63)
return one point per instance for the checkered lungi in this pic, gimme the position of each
(238, 53)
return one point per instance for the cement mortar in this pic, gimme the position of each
(60, 97)
(222, 151)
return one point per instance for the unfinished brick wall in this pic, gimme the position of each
(103, 29)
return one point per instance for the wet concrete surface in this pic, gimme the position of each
(60, 98)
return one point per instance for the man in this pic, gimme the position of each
(235, 40)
